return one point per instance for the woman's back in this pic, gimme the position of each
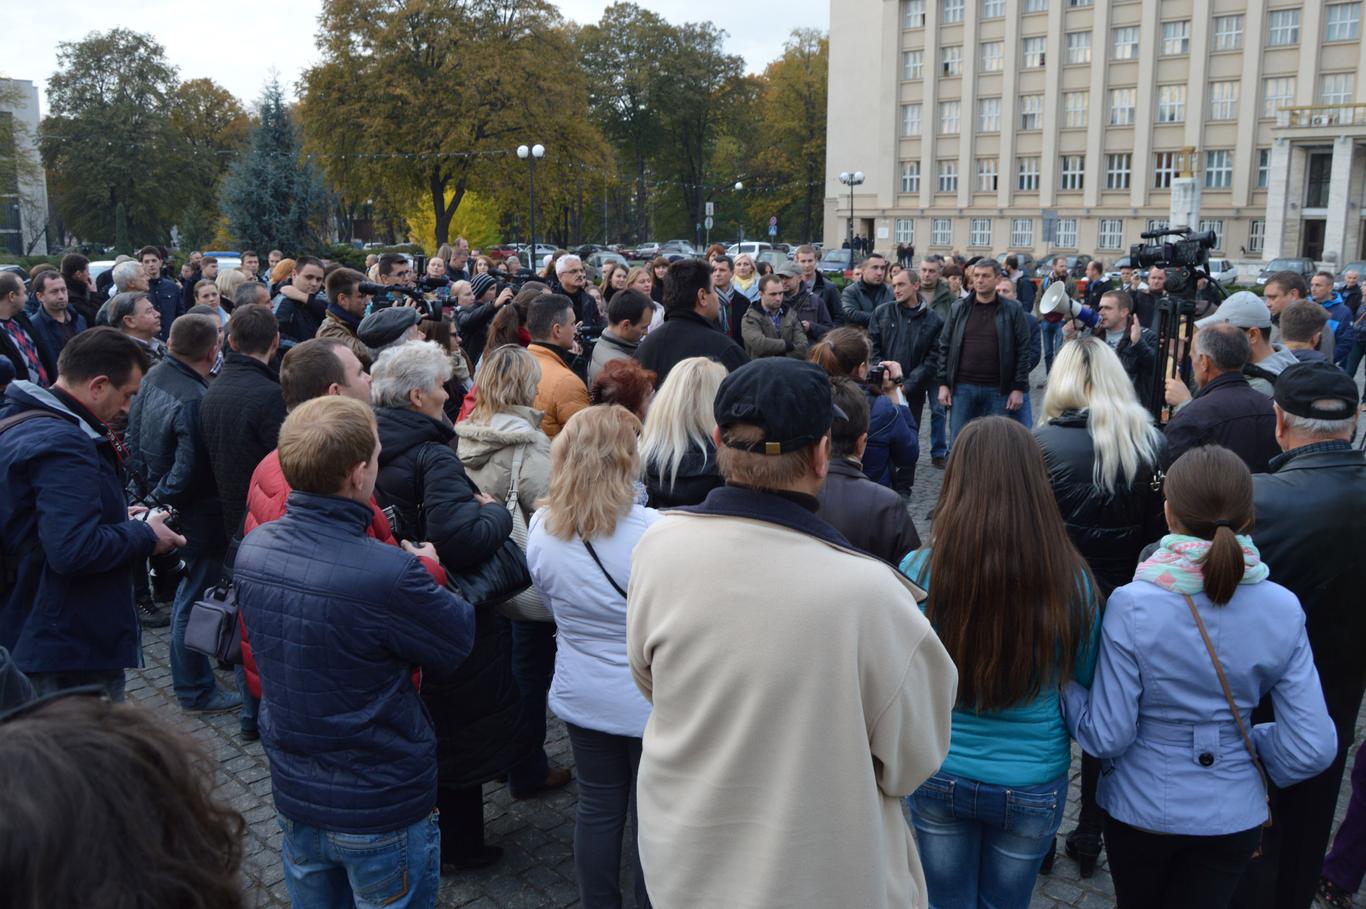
(488, 449)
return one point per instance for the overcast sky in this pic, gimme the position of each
(237, 45)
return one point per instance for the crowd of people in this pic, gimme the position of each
(671, 510)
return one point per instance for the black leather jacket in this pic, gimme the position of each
(909, 336)
(1012, 335)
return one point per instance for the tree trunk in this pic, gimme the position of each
(436, 183)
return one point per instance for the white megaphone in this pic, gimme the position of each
(1056, 300)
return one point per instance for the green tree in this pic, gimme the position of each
(272, 195)
(213, 128)
(108, 138)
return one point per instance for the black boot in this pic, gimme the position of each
(1085, 848)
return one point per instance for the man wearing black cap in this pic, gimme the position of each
(691, 309)
(798, 693)
(1311, 507)
(387, 327)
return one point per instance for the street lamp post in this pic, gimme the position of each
(851, 180)
(531, 156)
(739, 186)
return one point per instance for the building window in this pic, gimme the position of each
(1034, 52)
(1171, 103)
(910, 176)
(988, 115)
(910, 120)
(1067, 233)
(951, 61)
(1277, 93)
(1228, 32)
(953, 11)
(913, 65)
(1164, 170)
(1337, 88)
(1078, 47)
(948, 118)
(1126, 42)
(1122, 103)
(1282, 27)
(993, 9)
(1223, 100)
(1343, 22)
(993, 56)
(1263, 167)
(986, 175)
(1111, 235)
(1021, 232)
(1073, 171)
(948, 176)
(1218, 169)
(1256, 235)
(1074, 108)
(1157, 224)
(1031, 112)
(1176, 37)
(979, 232)
(1215, 226)
(1077, 4)
(1117, 170)
(1028, 175)
(941, 232)
(905, 230)
(915, 13)
(1036, 6)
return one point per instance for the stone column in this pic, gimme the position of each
(1339, 189)
(1277, 195)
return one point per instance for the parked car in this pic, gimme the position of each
(647, 250)
(99, 267)
(773, 257)
(1358, 267)
(1076, 265)
(749, 247)
(1298, 264)
(594, 263)
(834, 262)
(542, 250)
(1222, 270)
(681, 247)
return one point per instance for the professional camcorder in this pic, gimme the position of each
(1183, 260)
(386, 295)
(1180, 258)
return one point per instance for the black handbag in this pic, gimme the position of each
(211, 628)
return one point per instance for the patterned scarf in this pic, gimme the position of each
(1175, 565)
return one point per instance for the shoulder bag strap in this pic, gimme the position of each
(591, 551)
(514, 496)
(1232, 705)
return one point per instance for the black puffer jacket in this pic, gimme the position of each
(476, 710)
(239, 420)
(697, 476)
(1109, 529)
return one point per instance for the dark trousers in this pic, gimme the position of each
(1090, 819)
(533, 667)
(461, 819)
(1346, 863)
(606, 766)
(1170, 871)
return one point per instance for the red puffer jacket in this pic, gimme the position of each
(266, 498)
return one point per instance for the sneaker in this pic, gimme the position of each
(153, 616)
(219, 702)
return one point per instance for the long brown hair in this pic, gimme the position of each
(1009, 593)
(1209, 492)
(841, 352)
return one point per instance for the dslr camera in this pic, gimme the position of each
(385, 295)
(167, 569)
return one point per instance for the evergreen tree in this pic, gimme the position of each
(272, 197)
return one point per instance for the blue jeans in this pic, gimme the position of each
(915, 400)
(533, 666)
(191, 672)
(1051, 332)
(981, 844)
(325, 869)
(973, 401)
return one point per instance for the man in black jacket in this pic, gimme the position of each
(691, 308)
(167, 460)
(1225, 410)
(1118, 326)
(862, 298)
(907, 330)
(983, 353)
(816, 285)
(165, 293)
(19, 341)
(810, 309)
(1310, 501)
(299, 307)
(870, 515)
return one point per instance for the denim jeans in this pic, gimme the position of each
(1346, 863)
(981, 844)
(326, 869)
(251, 704)
(191, 672)
(533, 666)
(111, 680)
(606, 766)
(915, 400)
(973, 401)
(1051, 334)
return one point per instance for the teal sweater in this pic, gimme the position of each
(1023, 745)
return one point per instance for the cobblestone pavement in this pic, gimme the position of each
(537, 869)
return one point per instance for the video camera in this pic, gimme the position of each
(1179, 258)
(385, 295)
(515, 280)
(1174, 311)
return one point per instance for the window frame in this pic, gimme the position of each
(1070, 224)
(1027, 102)
(1071, 115)
(915, 9)
(1283, 27)
(946, 175)
(909, 182)
(1182, 38)
(989, 106)
(954, 107)
(988, 172)
(1110, 229)
(1131, 108)
(1027, 178)
(953, 11)
(1164, 169)
(941, 231)
(1020, 238)
(1130, 48)
(1225, 108)
(1228, 39)
(1218, 171)
(1175, 109)
(906, 131)
(994, 64)
(1026, 54)
(979, 236)
(1071, 172)
(914, 73)
(1119, 173)
(1353, 24)
(1071, 52)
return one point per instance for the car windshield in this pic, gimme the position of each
(1284, 264)
(1358, 267)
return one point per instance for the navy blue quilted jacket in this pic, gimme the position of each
(337, 620)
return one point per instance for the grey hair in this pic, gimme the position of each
(1312, 426)
(246, 293)
(125, 272)
(563, 262)
(1225, 345)
(403, 368)
(124, 305)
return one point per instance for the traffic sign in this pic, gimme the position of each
(773, 230)
(708, 223)
(711, 209)
(773, 221)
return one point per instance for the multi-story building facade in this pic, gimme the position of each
(23, 187)
(1059, 125)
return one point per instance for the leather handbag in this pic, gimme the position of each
(211, 628)
(527, 605)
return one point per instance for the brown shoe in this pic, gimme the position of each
(557, 778)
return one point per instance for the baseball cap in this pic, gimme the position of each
(788, 270)
(788, 399)
(1243, 309)
(1317, 390)
(386, 325)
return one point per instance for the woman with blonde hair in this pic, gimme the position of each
(746, 278)
(579, 550)
(641, 278)
(677, 451)
(1102, 452)
(228, 280)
